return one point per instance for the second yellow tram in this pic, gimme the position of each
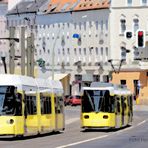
(106, 105)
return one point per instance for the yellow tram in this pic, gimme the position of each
(30, 106)
(106, 105)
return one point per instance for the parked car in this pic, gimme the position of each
(74, 100)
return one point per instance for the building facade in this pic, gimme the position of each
(72, 38)
(4, 56)
(81, 38)
(130, 16)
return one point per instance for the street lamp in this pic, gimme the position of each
(53, 53)
(120, 62)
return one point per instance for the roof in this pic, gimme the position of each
(27, 7)
(4, 1)
(58, 6)
(29, 83)
(21, 82)
(113, 88)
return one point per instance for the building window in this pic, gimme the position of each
(136, 24)
(78, 77)
(106, 51)
(96, 78)
(144, 2)
(80, 51)
(84, 25)
(101, 51)
(101, 55)
(58, 51)
(129, 2)
(97, 24)
(63, 51)
(97, 52)
(123, 82)
(68, 51)
(84, 51)
(106, 25)
(123, 53)
(101, 25)
(105, 78)
(79, 25)
(123, 25)
(75, 51)
(90, 51)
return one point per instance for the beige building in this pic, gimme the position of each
(130, 16)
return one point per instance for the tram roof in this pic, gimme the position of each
(21, 82)
(113, 88)
(27, 83)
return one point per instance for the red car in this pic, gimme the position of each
(74, 100)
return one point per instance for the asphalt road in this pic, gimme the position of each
(135, 136)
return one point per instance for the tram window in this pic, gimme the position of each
(45, 105)
(97, 100)
(124, 106)
(118, 107)
(88, 101)
(10, 103)
(31, 105)
(112, 104)
(59, 105)
(18, 104)
(130, 103)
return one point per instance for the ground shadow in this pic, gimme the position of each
(10, 138)
(105, 130)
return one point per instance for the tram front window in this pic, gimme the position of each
(10, 103)
(97, 101)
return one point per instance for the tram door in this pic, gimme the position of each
(31, 120)
(58, 112)
(118, 111)
(130, 109)
(124, 110)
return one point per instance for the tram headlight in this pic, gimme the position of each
(11, 121)
(86, 117)
(105, 117)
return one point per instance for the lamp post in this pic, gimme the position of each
(30, 49)
(53, 53)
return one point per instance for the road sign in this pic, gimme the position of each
(77, 36)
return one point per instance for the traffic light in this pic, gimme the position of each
(140, 39)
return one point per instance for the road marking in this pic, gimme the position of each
(126, 129)
(80, 142)
(141, 123)
(100, 137)
(71, 120)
